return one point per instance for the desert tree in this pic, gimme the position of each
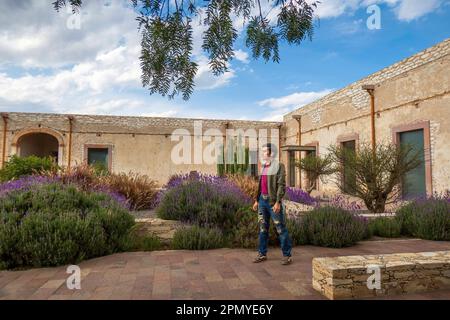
(378, 173)
(316, 167)
(167, 63)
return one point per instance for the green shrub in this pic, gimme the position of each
(100, 168)
(246, 231)
(332, 227)
(198, 238)
(296, 231)
(142, 242)
(55, 224)
(406, 216)
(18, 167)
(385, 227)
(427, 219)
(211, 204)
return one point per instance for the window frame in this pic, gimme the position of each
(425, 126)
(341, 139)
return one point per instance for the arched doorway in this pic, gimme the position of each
(38, 144)
(41, 142)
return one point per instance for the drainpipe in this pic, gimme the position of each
(370, 88)
(227, 125)
(299, 140)
(279, 140)
(5, 127)
(71, 118)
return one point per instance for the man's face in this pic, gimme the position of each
(266, 154)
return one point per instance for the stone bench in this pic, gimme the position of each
(353, 277)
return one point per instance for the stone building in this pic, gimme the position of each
(410, 103)
(146, 145)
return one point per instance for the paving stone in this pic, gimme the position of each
(213, 274)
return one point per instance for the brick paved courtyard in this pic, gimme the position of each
(213, 274)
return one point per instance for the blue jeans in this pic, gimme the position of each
(265, 213)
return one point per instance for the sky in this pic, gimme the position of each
(89, 63)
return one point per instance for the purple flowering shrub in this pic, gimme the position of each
(299, 196)
(52, 224)
(332, 227)
(342, 202)
(426, 218)
(177, 179)
(180, 178)
(35, 181)
(134, 191)
(204, 200)
(25, 183)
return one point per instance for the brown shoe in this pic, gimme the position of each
(260, 258)
(286, 260)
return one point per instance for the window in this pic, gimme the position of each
(98, 155)
(417, 182)
(414, 182)
(348, 176)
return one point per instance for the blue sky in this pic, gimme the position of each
(46, 66)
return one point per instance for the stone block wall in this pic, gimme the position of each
(347, 277)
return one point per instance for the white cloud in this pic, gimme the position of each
(44, 66)
(205, 80)
(34, 35)
(297, 99)
(412, 9)
(405, 10)
(241, 56)
(408, 10)
(282, 105)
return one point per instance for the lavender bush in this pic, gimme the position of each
(426, 218)
(177, 179)
(25, 183)
(53, 224)
(332, 227)
(299, 196)
(212, 202)
(342, 202)
(35, 181)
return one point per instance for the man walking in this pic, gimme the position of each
(271, 191)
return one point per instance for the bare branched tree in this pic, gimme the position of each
(377, 175)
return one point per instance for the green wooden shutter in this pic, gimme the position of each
(349, 175)
(413, 184)
(98, 155)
